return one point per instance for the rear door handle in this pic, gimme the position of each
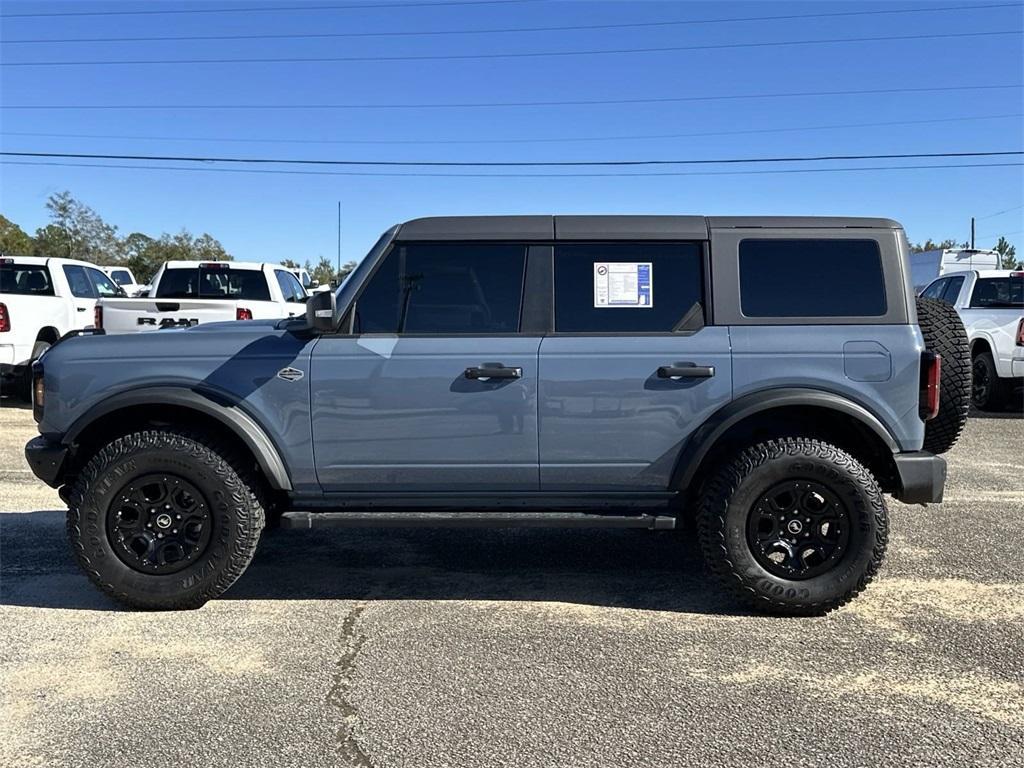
(686, 371)
(494, 372)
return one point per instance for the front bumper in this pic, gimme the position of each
(46, 459)
(922, 477)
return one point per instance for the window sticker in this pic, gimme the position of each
(623, 284)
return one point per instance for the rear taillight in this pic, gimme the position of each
(97, 316)
(5, 318)
(931, 376)
(1020, 332)
(242, 313)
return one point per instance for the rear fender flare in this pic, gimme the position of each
(705, 438)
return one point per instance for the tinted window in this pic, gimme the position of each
(444, 289)
(811, 278)
(291, 290)
(934, 291)
(952, 289)
(27, 279)
(104, 285)
(81, 285)
(600, 287)
(121, 277)
(1005, 292)
(217, 283)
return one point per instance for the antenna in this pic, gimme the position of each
(339, 240)
(972, 233)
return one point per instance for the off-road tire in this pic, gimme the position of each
(236, 516)
(728, 498)
(996, 394)
(944, 334)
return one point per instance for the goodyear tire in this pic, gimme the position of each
(164, 519)
(944, 334)
(793, 526)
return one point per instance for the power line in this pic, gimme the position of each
(502, 104)
(506, 30)
(505, 164)
(998, 213)
(507, 55)
(561, 139)
(263, 9)
(569, 175)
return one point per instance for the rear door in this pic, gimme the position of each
(633, 366)
(434, 388)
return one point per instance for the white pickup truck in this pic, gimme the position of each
(991, 304)
(187, 293)
(41, 299)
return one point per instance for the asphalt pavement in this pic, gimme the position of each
(423, 648)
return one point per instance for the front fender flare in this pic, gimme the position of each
(704, 439)
(208, 402)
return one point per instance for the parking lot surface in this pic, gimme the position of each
(424, 648)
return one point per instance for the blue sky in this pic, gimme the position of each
(273, 216)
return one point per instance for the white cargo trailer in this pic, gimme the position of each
(928, 265)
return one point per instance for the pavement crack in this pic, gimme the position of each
(338, 695)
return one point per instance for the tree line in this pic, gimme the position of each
(1007, 252)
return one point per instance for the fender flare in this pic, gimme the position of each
(207, 402)
(704, 439)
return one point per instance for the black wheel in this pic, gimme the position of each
(164, 519)
(987, 391)
(794, 526)
(944, 334)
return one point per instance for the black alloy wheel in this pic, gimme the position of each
(798, 529)
(159, 524)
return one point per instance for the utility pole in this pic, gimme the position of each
(972, 233)
(338, 272)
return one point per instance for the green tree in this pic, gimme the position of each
(13, 239)
(1007, 255)
(325, 273)
(76, 231)
(929, 245)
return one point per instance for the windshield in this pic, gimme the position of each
(200, 283)
(999, 292)
(26, 279)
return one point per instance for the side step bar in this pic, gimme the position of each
(300, 520)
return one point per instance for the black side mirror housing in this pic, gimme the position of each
(322, 312)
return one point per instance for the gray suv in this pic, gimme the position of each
(770, 378)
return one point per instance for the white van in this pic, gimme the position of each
(928, 265)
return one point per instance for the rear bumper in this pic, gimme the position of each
(922, 477)
(46, 459)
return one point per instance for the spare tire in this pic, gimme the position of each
(944, 335)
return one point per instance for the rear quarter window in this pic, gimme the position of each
(811, 278)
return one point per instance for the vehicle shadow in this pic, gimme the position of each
(614, 568)
(1013, 410)
(11, 401)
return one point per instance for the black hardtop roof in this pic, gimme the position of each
(615, 227)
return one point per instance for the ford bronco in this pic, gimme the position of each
(770, 378)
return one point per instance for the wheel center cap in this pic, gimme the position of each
(163, 521)
(793, 526)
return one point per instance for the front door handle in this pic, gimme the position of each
(493, 372)
(82, 309)
(686, 371)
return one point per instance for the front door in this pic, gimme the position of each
(435, 388)
(632, 368)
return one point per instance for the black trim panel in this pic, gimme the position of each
(211, 403)
(46, 460)
(922, 477)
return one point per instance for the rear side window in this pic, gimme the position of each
(79, 282)
(811, 278)
(199, 283)
(104, 285)
(25, 279)
(626, 287)
(457, 288)
(999, 292)
(291, 289)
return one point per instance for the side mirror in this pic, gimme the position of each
(314, 284)
(321, 312)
